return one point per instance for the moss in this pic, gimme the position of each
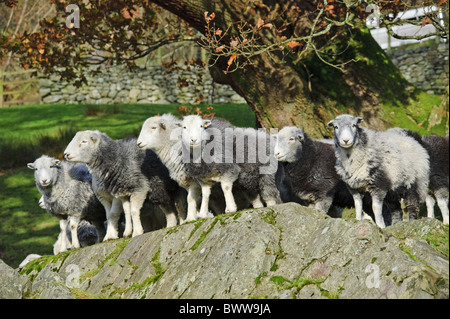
(204, 234)
(439, 239)
(34, 267)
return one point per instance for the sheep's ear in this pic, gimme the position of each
(206, 123)
(162, 124)
(359, 120)
(94, 137)
(300, 135)
(330, 124)
(31, 166)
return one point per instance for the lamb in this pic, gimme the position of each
(121, 171)
(438, 150)
(311, 174)
(379, 162)
(67, 194)
(217, 152)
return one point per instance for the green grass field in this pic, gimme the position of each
(26, 132)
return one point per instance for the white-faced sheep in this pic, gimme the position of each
(123, 171)
(438, 188)
(162, 134)
(379, 162)
(311, 175)
(208, 167)
(231, 156)
(67, 194)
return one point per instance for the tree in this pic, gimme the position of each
(296, 62)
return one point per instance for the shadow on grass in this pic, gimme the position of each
(18, 152)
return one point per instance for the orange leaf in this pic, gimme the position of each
(219, 49)
(219, 32)
(231, 59)
(234, 43)
(259, 23)
(292, 44)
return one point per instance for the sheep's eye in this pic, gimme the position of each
(291, 138)
(184, 127)
(154, 128)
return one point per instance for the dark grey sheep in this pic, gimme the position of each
(123, 171)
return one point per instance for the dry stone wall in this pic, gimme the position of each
(152, 84)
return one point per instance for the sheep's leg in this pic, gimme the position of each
(257, 203)
(377, 207)
(113, 211)
(442, 201)
(100, 228)
(171, 216)
(127, 211)
(357, 198)
(204, 207)
(63, 238)
(230, 204)
(429, 200)
(193, 193)
(136, 203)
(73, 224)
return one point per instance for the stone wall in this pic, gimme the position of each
(424, 67)
(117, 84)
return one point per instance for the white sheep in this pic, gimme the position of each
(68, 195)
(379, 162)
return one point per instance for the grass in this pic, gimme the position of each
(26, 132)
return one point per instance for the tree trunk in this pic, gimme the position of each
(309, 93)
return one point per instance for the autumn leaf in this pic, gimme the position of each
(231, 59)
(219, 49)
(219, 32)
(259, 23)
(209, 17)
(234, 43)
(292, 44)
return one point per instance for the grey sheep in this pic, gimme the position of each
(438, 188)
(312, 178)
(122, 171)
(379, 163)
(68, 195)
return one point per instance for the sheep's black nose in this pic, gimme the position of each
(139, 144)
(66, 155)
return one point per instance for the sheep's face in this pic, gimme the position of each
(45, 170)
(82, 147)
(288, 141)
(345, 130)
(194, 131)
(155, 132)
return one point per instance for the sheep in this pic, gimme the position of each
(310, 169)
(67, 194)
(161, 134)
(217, 152)
(206, 167)
(438, 150)
(379, 162)
(122, 171)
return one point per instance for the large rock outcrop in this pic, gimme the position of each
(286, 251)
